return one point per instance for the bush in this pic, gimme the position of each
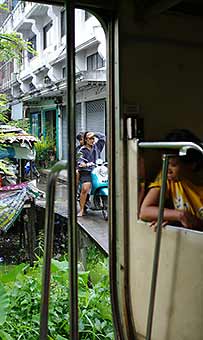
(45, 152)
(20, 295)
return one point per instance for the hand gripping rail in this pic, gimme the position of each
(182, 147)
(48, 248)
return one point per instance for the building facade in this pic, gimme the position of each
(36, 89)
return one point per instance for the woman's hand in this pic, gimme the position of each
(82, 165)
(188, 220)
(153, 225)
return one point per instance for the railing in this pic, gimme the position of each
(17, 15)
(49, 232)
(95, 75)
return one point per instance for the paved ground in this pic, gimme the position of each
(93, 224)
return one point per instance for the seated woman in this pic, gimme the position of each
(184, 193)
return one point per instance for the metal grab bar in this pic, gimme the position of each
(48, 248)
(183, 147)
(157, 248)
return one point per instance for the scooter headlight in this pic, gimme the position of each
(103, 171)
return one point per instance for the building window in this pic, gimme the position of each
(64, 72)
(63, 23)
(33, 44)
(47, 34)
(94, 61)
(36, 124)
(14, 3)
(87, 15)
(31, 87)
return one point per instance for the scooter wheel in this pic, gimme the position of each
(105, 214)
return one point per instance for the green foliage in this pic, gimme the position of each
(3, 108)
(20, 303)
(4, 304)
(21, 123)
(44, 149)
(12, 46)
(3, 7)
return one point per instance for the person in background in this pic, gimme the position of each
(90, 152)
(80, 138)
(184, 192)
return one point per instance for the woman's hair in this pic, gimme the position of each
(80, 136)
(85, 137)
(184, 135)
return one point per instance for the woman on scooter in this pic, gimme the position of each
(90, 152)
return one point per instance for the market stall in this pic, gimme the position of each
(17, 190)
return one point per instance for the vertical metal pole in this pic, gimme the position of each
(72, 218)
(48, 248)
(157, 247)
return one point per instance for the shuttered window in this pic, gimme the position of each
(64, 134)
(78, 118)
(95, 113)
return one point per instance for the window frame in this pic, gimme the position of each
(46, 29)
(63, 23)
(94, 62)
(33, 42)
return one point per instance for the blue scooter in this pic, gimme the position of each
(98, 197)
(34, 170)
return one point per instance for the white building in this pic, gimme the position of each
(37, 88)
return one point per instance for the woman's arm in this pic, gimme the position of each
(150, 208)
(101, 140)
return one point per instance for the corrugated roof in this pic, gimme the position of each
(11, 134)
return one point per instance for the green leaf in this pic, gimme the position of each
(59, 266)
(4, 336)
(11, 275)
(4, 304)
(59, 337)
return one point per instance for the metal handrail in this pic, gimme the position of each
(182, 147)
(48, 248)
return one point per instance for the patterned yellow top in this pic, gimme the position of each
(184, 195)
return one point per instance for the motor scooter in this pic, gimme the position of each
(28, 169)
(98, 196)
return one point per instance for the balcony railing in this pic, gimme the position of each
(16, 16)
(94, 75)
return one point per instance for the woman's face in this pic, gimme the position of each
(90, 139)
(81, 141)
(175, 169)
